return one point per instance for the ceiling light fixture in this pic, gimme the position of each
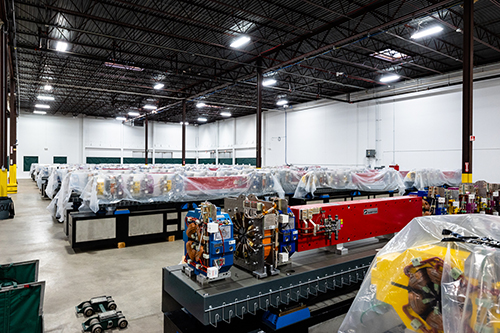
(427, 32)
(282, 102)
(200, 104)
(45, 98)
(134, 113)
(39, 112)
(225, 114)
(47, 87)
(121, 118)
(389, 78)
(269, 82)
(149, 107)
(159, 86)
(240, 41)
(42, 106)
(202, 120)
(186, 123)
(61, 46)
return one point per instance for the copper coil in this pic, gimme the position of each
(199, 253)
(192, 228)
(190, 251)
(435, 320)
(435, 274)
(418, 280)
(417, 304)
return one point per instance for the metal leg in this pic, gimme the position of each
(340, 249)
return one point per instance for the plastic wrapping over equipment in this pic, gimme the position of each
(110, 187)
(439, 274)
(324, 180)
(422, 178)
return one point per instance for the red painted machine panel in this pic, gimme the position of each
(322, 225)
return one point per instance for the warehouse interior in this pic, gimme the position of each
(262, 166)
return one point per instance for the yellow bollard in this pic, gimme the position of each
(12, 185)
(3, 183)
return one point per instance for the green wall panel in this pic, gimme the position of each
(103, 160)
(28, 160)
(60, 159)
(246, 160)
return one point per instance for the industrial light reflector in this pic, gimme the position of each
(39, 112)
(47, 87)
(61, 46)
(200, 105)
(268, 82)
(427, 32)
(282, 102)
(202, 120)
(150, 107)
(121, 118)
(42, 106)
(389, 78)
(240, 41)
(186, 123)
(159, 86)
(134, 114)
(225, 114)
(45, 98)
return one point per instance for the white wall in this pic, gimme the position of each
(78, 138)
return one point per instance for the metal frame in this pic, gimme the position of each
(315, 50)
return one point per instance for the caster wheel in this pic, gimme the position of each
(88, 311)
(97, 329)
(122, 323)
(112, 306)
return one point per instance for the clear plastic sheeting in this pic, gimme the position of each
(349, 179)
(111, 187)
(420, 283)
(422, 178)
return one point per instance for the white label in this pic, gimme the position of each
(295, 232)
(212, 272)
(472, 196)
(483, 200)
(495, 194)
(212, 227)
(455, 203)
(441, 200)
(232, 242)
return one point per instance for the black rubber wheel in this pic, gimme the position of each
(88, 311)
(97, 329)
(111, 306)
(122, 323)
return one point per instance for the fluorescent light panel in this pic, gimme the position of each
(202, 119)
(39, 112)
(45, 98)
(200, 104)
(240, 41)
(186, 123)
(269, 82)
(389, 78)
(427, 32)
(47, 87)
(42, 106)
(282, 102)
(149, 107)
(159, 86)
(61, 46)
(121, 118)
(122, 66)
(134, 113)
(225, 114)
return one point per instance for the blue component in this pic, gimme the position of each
(277, 322)
(185, 206)
(221, 245)
(122, 212)
(288, 238)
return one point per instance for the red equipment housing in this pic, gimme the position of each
(327, 224)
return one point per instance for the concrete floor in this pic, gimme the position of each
(131, 275)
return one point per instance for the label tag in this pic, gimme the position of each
(455, 203)
(483, 200)
(370, 211)
(472, 196)
(232, 242)
(441, 200)
(495, 194)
